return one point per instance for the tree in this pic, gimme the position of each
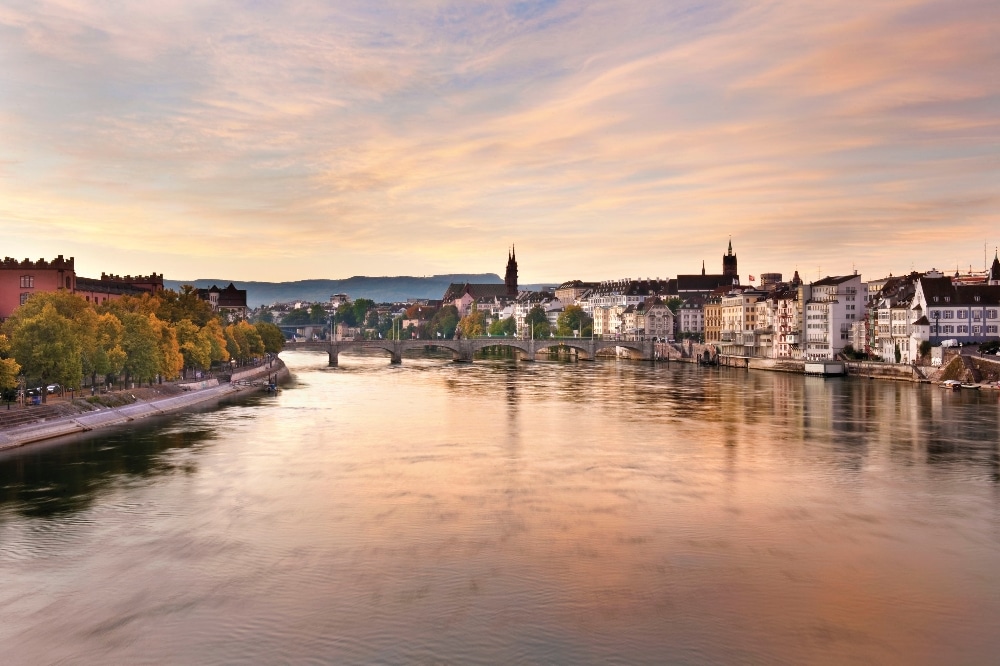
(274, 339)
(473, 324)
(46, 346)
(195, 348)
(214, 334)
(317, 315)
(925, 348)
(573, 319)
(109, 356)
(537, 322)
(140, 341)
(504, 327)
(8, 366)
(175, 306)
(898, 354)
(360, 310)
(444, 322)
(674, 303)
(169, 357)
(298, 317)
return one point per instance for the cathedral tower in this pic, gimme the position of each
(729, 263)
(510, 277)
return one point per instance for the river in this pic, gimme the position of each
(567, 513)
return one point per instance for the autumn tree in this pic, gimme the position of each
(173, 306)
(473, 324)
(9, 367)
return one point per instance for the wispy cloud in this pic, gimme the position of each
(280, 141)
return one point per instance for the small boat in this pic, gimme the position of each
(952, 384)
(974, 387)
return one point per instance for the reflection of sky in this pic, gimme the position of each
(597, 136)
(534, 512)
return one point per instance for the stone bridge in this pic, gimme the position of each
(463, 350)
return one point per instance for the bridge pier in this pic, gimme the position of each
(333, 353)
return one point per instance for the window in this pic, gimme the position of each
(962, 314)
(963, 329)
(27, 282)
(948, 314)
(977, 315)
(991, 314)
(976, 330)
(24, 297)
(991, 329)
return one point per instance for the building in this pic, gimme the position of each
(831, 307)
(691, 317)
(229, 302)
(967, 313)
(493, 298)
(20, 280)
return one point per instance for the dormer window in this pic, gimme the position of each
(935, 299)
(947, 299)
(976, 298)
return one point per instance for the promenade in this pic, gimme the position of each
(177, 398)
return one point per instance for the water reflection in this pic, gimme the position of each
(506, 512)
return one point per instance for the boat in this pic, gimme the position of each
(952, 384)
(974, 387)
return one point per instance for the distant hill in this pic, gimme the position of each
(379, 289)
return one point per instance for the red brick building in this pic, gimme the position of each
(19, 280)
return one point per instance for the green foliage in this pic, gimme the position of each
(537, 322)
(573, 319)
(443, 323)
(541, 330)
(298, 317)
(674, 303)
(45, 344)
(504, 327)
(991, 347)
(140, 340)
(271, 335)
(898, 354)
(317, 315)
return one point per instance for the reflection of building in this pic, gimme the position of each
(229, 302)
(19, 280)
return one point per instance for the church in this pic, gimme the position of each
(492, 297)
(702, 285)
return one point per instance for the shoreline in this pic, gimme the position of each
(108, 417)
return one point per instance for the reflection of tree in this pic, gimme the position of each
(64, 478)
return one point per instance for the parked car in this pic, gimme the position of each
(52, 388)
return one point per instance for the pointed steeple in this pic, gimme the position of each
(702, 266)
(510, 277)
(730, 252)
(995, 270)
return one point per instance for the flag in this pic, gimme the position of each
(752, 278)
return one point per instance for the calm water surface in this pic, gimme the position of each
(531, 513)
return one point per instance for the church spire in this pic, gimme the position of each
(702, 266)
(510, 277)
(994, 277)
(730, 252)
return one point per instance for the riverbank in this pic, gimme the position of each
(80, 415)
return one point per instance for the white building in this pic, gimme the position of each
(831, 308)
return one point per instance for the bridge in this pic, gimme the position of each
(464, 349)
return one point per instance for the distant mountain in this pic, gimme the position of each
(379, 289)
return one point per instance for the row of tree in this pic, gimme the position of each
(61, 338)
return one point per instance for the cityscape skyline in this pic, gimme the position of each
(273, 143)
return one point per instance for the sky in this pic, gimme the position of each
(276, 141)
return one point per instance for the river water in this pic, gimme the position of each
(606, 512)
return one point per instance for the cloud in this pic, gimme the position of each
(327, 139)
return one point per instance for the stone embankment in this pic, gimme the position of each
(51, 423)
